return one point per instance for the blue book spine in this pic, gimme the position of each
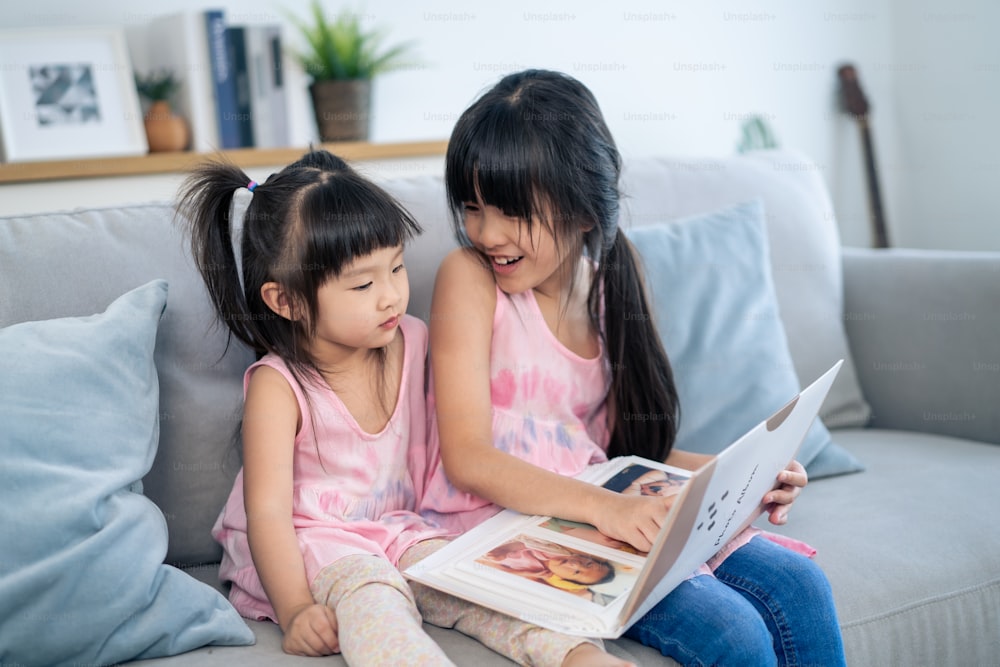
(223, 80)
(239, 70)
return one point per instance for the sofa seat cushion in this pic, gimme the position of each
(267, 651)
(907, 569)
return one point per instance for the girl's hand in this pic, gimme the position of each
(632, 519)
(312, 632)
(779, 501)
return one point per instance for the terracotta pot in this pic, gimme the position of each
(342, 109)
(165, 130)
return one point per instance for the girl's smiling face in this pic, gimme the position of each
(521, 256)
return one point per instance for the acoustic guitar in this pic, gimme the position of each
(855, 103)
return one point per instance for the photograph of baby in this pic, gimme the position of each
(584, 575)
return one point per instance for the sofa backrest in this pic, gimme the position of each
(804, 249)
(76, 263)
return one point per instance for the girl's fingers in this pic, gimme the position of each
(784, 495)
(778, 514)
(794, 474)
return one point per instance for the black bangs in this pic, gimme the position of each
(345, 217)
(491, 161)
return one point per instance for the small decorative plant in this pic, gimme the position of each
(341, 49)
(756, 134)
(157, 86)
(342, 57)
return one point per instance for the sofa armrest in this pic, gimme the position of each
(924, 331)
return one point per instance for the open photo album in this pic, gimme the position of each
(571, 578)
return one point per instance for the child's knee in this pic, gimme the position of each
(347, 575)
(747, 642)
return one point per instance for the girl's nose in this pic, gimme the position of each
(489, 232)
(390, 296)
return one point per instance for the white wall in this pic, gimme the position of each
(679, 77)
(947, 108)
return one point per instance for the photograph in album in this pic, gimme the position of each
(579, 573)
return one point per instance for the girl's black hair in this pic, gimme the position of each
(304, 225)
(536, 143)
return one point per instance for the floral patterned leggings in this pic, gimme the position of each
(379, 616)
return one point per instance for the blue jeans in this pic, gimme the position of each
(767, 605)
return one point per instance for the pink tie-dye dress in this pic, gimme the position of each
(548, 409)
(353, 492)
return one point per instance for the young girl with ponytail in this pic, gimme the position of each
(312, 278)
(545, 359)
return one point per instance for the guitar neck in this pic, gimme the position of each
(855, 103)
(874, 197)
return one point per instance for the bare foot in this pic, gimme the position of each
(590, 655)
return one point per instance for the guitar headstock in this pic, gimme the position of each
(852, 99)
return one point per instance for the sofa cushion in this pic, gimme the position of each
(804, 244)
(75, 263)
(910, 548)
(78, 427)
(710, 287)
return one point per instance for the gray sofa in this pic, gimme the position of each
(911, 544)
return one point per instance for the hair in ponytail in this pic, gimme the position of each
(537, 143)
(647, 411)
(205, 204)
(302, 226)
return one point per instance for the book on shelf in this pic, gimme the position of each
(570, 578)
(180, 42)
(233, 79)
(241, 116)
(194, 45)
(261, 105)
(278, 81)
(223, 82)
(268, 99)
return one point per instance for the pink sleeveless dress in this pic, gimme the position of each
(548, 409)
(353, 492)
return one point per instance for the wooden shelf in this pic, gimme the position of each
(164, 163)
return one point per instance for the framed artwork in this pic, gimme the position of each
(67, 93)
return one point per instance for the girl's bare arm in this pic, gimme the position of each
(271, 419)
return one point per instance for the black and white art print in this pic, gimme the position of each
(64, 94)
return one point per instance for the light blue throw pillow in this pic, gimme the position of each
(82, 579)
(710, 288)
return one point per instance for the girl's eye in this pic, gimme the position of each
(362, 288)
(471, 208)
(397, 269)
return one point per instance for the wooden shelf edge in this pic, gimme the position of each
(165, 163)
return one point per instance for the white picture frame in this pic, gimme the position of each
(68, 93)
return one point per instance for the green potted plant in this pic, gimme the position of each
(165, 130)
(342, 57)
